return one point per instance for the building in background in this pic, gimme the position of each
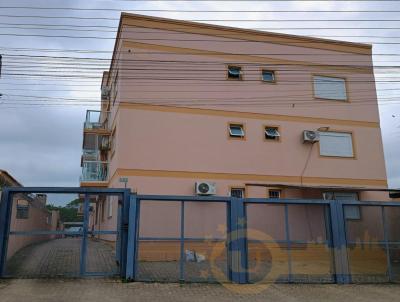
(29, 213)
(190, 108)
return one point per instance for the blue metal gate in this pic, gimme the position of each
(31, 248)
(242, 237)
(240, 240)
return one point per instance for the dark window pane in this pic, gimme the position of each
(236, 130)
(238, 193)
(268, 76)
(272, 133)
(234, 72)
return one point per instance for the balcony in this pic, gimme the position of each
(96, 119)
(94, 171)
(90, 155)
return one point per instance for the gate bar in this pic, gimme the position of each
(339, 243)
(82, 267)
(182, 247)
(386, 238)
(5, 209)
(289, 245)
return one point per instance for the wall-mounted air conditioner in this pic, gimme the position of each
(206, 188)
(310, 136)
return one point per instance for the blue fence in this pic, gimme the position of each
(227, 239)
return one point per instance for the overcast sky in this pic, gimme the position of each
(41, 118)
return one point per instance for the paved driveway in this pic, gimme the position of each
(95, 290)
(61, 257)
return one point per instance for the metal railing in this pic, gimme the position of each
(96, 119)
(94, 171)
(90, 155)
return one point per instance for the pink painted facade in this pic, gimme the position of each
(168, 104)
(38, 219)
(33, 217)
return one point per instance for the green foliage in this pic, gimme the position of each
(68, 213)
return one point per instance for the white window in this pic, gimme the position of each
(272, 133)
(330, 88)
(236, 130)
(237, 192)
(268, 76)
(234, 72)
(336, 144)
(276, 194)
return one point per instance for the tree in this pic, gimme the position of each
(68, 213)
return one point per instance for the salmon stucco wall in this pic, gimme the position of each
(39, 219)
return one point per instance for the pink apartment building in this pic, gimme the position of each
(248, 113)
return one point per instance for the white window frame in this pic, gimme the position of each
(275, 137)
(325, 152)
(231, 134)
(274, 190)
(329, 83)
(268, 71)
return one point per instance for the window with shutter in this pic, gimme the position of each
(330, 88)
(336, 144)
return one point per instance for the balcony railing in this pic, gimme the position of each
(94, 171)
(90, 155)
(96, 119)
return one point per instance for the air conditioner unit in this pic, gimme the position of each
(105, 93)
(206, 188)
(310, 136)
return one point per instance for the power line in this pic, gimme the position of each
(203, 20)
(197, 11)
(185, 40)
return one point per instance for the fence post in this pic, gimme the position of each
(131, 237)
(123, 221)
(237, 241)
(84, 247)
(5, 214)
(339, 244)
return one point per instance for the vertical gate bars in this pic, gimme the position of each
(5, 220)
(128, 227)
(5, 209)
(82, 263)
(387, 247)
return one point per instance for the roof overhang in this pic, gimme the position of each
(8, 180)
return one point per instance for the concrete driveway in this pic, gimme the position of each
(94, 290)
